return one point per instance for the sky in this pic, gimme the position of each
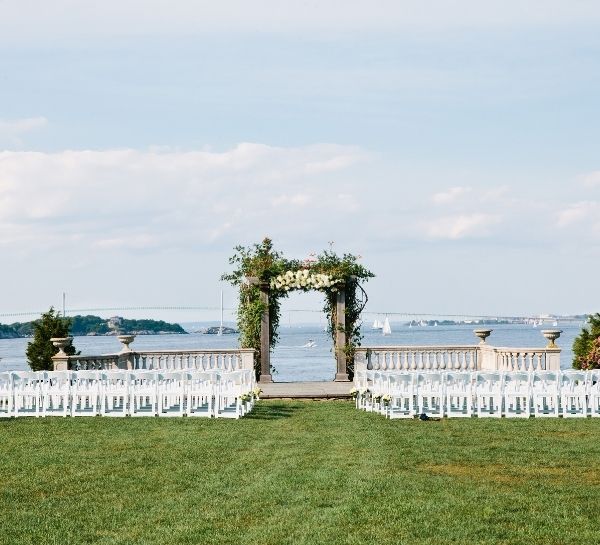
(451, 144)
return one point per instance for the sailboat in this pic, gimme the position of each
(221, 326)
(386, 329)
(377, 325)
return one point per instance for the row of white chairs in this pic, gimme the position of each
(221, 394)
(569, 393)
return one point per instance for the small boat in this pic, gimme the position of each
(423, 323)
(386, 330)
(310, 344)
(377, 325)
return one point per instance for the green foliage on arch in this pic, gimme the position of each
(326, 272)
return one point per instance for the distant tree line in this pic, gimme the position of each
(94, 325)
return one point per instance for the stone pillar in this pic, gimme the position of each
(340, 337)
(486, 358)
(126, 356)
(60, 362)
(247, 359)
(265, 337)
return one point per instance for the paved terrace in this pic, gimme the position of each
(306, 390)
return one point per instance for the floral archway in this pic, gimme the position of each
(264, 277)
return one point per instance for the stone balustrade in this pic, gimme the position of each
(417, 358)
(204, 360)
(160, 360)
(479, 357)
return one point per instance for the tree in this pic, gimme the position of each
(586, 347)
(40, 350)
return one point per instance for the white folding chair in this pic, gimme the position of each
(573, 391)
(230, 388)
(56, 393)
(488, 393)
(248, 383)
(6, 395)
(86, 393)
(401, 389)
(143, 393)
(594, 391)
(171, 393)
(368, 397)
(459, 394)
(114, 398)
(361, 385)
(377, 390)
(27, 392)
(517, 394)
(430, 393)
(544, 393)
(200, 392)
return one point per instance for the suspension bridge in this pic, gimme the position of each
(367, 313)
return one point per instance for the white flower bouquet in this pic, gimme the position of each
(303, 279)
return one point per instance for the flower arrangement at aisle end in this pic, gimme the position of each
(304, 279)
(253, 394)
(358, 393)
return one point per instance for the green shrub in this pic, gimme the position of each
(40, 350)
(586, 347)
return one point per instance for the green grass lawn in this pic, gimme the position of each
(301, 473)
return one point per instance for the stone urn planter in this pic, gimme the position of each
(61, 343)
(126, 340)
(551, 335)
(483, 334)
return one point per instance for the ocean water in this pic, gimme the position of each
(294, 362)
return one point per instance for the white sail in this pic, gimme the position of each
(387, 330)
(377, 325)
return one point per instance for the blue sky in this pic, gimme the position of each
(454, 145)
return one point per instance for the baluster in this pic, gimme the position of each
(419, 356)
(464, 362)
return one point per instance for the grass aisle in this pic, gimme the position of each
(301, 473)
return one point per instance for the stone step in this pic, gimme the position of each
(306, 390)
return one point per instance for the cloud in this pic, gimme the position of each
(592, 179)
(578, 212)
(35, 20)
(11, 130)
(158, 200)
(450, 195)
(460, 226)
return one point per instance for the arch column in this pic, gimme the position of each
(265, 337)
(340, 337)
